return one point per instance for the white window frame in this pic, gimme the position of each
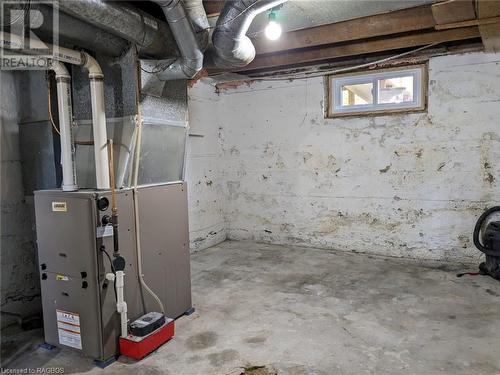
(336, 82)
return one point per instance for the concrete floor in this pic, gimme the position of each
(317, 312)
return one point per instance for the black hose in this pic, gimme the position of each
(116, 246)
(112, 269)
(477, 230)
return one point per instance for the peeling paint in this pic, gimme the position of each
(221, 87)
(406, 185)
(386, 169)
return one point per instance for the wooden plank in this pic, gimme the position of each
(360, 48)
(476, 22)
(453, 11)
(401, 21)
(489, 33)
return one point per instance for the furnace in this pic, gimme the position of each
(75, 246)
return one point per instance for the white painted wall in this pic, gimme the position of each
(406, 185)
(207, 225)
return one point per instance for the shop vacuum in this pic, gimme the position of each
(487, 240)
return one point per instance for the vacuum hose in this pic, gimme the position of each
(477, 230)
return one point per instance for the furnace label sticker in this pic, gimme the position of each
(59, 207)
(68, 328)
(106, 231)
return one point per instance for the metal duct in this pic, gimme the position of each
(232, 47)
(196, 13)
(152, 36)
(71, 31)
(191, 60)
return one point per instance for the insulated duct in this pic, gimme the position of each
(70, 30)
(232, 47)
(152, 36)
(191, 60)
(196, 13)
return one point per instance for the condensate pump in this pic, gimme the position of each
(146, 334)
(488, 241)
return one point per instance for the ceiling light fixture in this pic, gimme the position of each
(273, 28)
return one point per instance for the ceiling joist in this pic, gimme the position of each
(475, 22)
(452, 11)
(401, 21)
(448, 21)
(360, 48)
(490, 33)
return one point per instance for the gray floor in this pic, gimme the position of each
(307, 311)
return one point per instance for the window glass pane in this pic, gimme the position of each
(357, 94)
(395, 90)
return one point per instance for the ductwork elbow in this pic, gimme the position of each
(198, 17)
(233, 49)
(191, 60)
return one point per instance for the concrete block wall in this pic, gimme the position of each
(407, 185)
(20, 290)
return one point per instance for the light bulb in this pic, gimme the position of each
(273, 30)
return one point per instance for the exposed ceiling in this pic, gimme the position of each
(301, 14)
(329, 30)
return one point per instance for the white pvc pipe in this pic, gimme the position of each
(15, 42)
(63, 80)
(121, 305)
(98, 122)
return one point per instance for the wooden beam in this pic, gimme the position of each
(213, 7)
(489, 33)
(476, 22)
(453, 11)
(360, 48)
(400, 21)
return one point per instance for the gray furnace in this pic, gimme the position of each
(75, 237)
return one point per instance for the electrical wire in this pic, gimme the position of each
(51, 117)
(159, 67)
(235, 17)
(288, 77)
(49, 105)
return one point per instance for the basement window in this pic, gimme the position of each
(378, 92)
